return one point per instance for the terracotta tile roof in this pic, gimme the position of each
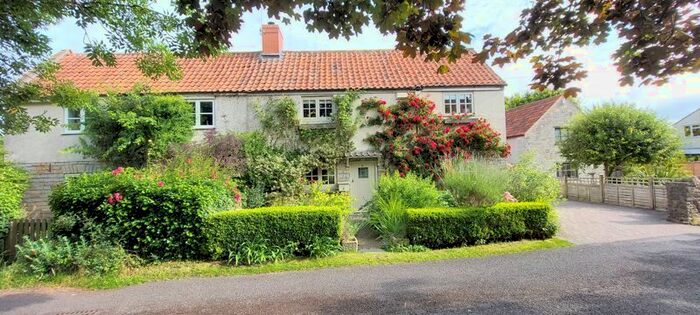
(295, 71)
(520, 119)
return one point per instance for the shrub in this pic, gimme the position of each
(50, 257)
(475, 182)
(528, 183)
(449, 227)
(275, 227)
(153, 218)
(414, 138)
(135, 128)
(413, 190)
(389, 218)
(13, 183)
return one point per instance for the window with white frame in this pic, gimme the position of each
(326, 176)
(458, 103)
(692, 131)
(317, 107)
(74, 120)
(203, 111)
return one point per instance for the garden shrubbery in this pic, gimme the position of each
(451, 227)
(528, 183)
(13, 183)
(475, 182)
(155, 218)
(290, 230)
(51, 257)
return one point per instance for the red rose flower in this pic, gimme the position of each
(161, 184)
(117, 171)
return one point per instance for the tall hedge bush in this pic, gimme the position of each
(152, 218)
(273, 227)
(13, 182)
(451, 227)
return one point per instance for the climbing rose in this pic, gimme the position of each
(118, 197)
(161, 184)
(110, 199)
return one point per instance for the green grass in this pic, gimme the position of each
(184, 269)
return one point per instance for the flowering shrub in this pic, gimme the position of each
(416, 139)
(156, 216)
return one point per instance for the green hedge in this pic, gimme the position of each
(450, 227)
(13, 183)
(273, 227)
(155, 220)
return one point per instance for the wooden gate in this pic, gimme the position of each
(34, 229)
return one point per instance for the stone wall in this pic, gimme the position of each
(684, 201)
(43, 177)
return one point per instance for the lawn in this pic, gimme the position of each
(185, 269)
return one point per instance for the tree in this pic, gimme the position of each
(658, 39)
(135, 129)
(528, 97)
(657, 36)
(618, 136)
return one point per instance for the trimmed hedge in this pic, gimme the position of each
(451, 227)
(153, 219)
(273, 227)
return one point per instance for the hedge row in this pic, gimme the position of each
(451, 227)
(155, 220)
(272, 226)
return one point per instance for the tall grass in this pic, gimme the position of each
(475, 182)
(389, 218)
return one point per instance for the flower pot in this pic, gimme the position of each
(350, 244)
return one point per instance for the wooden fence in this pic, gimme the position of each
(647, 193)
(17, 230)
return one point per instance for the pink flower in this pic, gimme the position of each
(117, 171)
(382, 102)
(238, 197)
(118, 197)
(110, 199)
(161, 184)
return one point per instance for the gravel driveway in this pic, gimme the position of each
(589, 223)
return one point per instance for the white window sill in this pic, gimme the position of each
(204, 127)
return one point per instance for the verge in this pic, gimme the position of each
(186, 269)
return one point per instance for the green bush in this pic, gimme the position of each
(389, 218)
(475, 182)
(51, 257)
(528, 183)
(275, 227)
(13, 183)
(450, 227)
(153, 218)
(413, 190)
(135, 129)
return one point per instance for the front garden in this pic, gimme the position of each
(238, 204)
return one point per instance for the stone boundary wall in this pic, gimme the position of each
(684, 201)
(43, 177)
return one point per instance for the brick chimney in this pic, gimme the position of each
(271, 40)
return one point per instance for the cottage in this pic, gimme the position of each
(224, 90)
(537, 127)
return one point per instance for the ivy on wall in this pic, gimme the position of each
(325, 145)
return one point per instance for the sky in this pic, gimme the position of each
(671, 101)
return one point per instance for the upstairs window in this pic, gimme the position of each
(692, 131)
(559, 134)
(203, 112)
(458, 103)
(326, 176)
(317, 107)
(74, 120)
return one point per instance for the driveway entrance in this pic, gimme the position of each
(586, 223)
